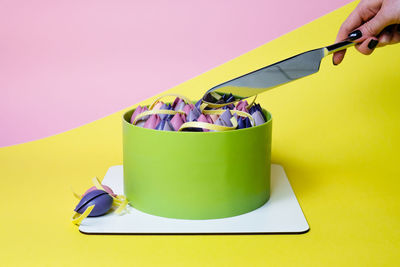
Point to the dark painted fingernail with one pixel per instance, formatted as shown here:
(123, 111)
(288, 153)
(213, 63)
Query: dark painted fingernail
(372, 44)
(355, 35)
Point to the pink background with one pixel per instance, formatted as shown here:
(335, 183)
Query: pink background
(66, 63)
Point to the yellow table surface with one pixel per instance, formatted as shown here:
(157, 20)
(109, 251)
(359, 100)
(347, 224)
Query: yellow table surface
(337, 134)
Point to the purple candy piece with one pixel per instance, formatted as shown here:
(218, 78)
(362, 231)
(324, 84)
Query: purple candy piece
(262, 113)
(170, 108)
(176, 121)
(230, 98)
(258, 118)
(101, 200)
(152, 122)
(198, 104)
(168, 126)
(202, 118)
(161, 125)
(247, 123)
(219, 121)
(145, 117)
(194, 114)
(191, 116)
(258, 107)
(242, 105)
(226, 118)
(158, 105)
(164, 107)
(252, 109)
(209, 120)
(180, 106)
(214, 117)
(187, 109)
(239, 105)
(137, 111)
(183, 117)
(230, 106)
(177, 101)
(241, 123)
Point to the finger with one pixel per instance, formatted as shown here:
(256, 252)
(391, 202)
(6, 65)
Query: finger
(337, 57)
(386, 35)
(385, 38)
(396, 35)
(363, 13)
(373, 27)
(352, 22)
(367, 46)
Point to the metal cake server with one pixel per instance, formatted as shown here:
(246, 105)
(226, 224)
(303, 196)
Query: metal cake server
(271, 76)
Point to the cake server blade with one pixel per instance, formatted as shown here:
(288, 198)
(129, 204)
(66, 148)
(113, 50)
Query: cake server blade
(274, 75)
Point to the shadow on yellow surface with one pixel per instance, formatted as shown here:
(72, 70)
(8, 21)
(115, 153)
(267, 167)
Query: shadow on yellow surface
(336, 133)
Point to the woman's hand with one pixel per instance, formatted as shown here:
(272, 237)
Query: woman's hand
(372, 23)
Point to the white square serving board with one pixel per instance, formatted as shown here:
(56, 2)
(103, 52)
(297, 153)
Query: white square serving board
(281, 214)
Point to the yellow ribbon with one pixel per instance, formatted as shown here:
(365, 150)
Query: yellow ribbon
(121, 202)
(76, 194)
(78, 218)
(209, 126)
(238, 112)
(252, 102)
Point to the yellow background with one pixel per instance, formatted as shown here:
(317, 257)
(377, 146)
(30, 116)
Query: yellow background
(337, 134)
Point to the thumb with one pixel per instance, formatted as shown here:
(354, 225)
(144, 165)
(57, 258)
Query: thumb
(374, 26)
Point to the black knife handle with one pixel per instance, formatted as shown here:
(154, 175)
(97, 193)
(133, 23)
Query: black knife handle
(339, 46)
